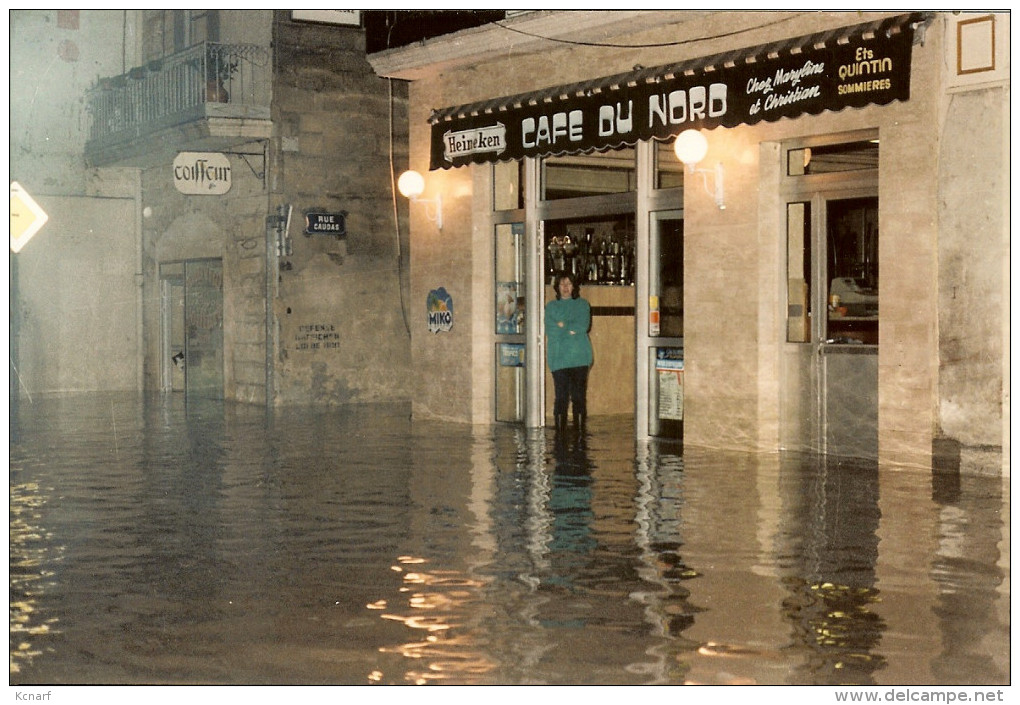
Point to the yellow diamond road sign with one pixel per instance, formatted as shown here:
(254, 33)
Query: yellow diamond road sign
(27, 217)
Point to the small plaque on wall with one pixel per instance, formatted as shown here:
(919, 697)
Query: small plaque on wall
(975, 45)
(334, 224)
(977, 49)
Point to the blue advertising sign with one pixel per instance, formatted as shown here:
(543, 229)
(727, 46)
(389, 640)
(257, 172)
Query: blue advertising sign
(439, 309)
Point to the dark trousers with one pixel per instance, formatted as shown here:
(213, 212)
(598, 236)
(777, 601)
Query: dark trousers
(571, 385)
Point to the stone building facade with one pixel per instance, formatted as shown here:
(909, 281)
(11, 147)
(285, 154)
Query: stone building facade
(937, 383)
(268, 305)
(135, 266)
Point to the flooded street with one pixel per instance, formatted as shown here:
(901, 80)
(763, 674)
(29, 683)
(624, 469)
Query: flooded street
(157, 543)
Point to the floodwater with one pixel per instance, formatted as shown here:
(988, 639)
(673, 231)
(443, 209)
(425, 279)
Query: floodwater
(153, 542)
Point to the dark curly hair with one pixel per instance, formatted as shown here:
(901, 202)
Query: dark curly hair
(560, 276)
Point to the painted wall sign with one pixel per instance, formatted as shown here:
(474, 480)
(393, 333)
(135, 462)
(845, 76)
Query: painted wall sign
(317, 336)
(326, 224)
(867, 64)
(202, 173)
(439, 309)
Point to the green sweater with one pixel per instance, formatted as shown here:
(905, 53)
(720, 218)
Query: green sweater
(566, 326)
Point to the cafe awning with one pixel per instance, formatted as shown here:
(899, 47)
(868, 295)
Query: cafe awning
(865, 64)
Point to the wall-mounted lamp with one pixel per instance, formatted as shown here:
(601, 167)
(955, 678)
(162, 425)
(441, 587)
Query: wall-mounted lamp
(411, 184)
(690, 148)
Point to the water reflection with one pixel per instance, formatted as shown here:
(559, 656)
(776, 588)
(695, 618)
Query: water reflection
(571, 542)
(158, 542)
(966, 570)
(434, 606)
(31, 574)
(659, 535)
(832, 519)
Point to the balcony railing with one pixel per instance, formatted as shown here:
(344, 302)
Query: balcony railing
(179, 88)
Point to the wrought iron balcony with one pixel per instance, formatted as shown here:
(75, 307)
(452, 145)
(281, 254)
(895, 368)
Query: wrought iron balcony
(208, 97)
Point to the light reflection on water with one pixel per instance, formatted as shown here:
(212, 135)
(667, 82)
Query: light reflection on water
(157, 543)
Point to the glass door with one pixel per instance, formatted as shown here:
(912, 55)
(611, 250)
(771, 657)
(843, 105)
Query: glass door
(848, 343)
(830, 375)
(665, 349)
(833, 310)
(510, 307)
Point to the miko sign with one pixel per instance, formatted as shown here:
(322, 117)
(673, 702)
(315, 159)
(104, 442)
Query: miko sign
(27, 217)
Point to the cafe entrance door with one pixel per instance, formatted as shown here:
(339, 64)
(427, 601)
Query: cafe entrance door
(830, 390)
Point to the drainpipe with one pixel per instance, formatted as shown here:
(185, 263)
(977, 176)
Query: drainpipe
(272, 280)
(139, 287)
(277, 245)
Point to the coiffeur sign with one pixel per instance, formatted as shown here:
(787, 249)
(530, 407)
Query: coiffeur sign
(202, 173)
(850, 67)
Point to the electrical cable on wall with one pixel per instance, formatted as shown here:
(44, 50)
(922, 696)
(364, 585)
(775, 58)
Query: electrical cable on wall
(396, 218)
(642, 46)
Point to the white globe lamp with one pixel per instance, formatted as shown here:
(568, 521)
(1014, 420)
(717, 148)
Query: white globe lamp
(411, 184)
(690, 147)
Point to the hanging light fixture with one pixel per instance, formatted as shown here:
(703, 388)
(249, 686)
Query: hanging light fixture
(690, 148)
(412, 184)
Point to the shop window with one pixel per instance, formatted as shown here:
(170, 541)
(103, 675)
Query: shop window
(832, 158)
(667, 283)
(510, 382)
(508, 185)
(798, 272)
(509, 322)
(850, 269)
(595, 174)
(669, 171)
(852, 254)
(509, 279)
(832, 240)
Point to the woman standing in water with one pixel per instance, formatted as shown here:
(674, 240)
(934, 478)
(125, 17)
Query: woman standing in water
(570, 355)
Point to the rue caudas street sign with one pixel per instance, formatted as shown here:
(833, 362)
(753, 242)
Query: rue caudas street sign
(334, 224)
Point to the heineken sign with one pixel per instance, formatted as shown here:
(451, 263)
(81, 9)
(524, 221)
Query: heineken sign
(483, 140)
(852, 67)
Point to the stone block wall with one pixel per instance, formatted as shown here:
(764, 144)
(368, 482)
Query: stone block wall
(733, 317)
(340, 303)
(973, 304)
(229, 227)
